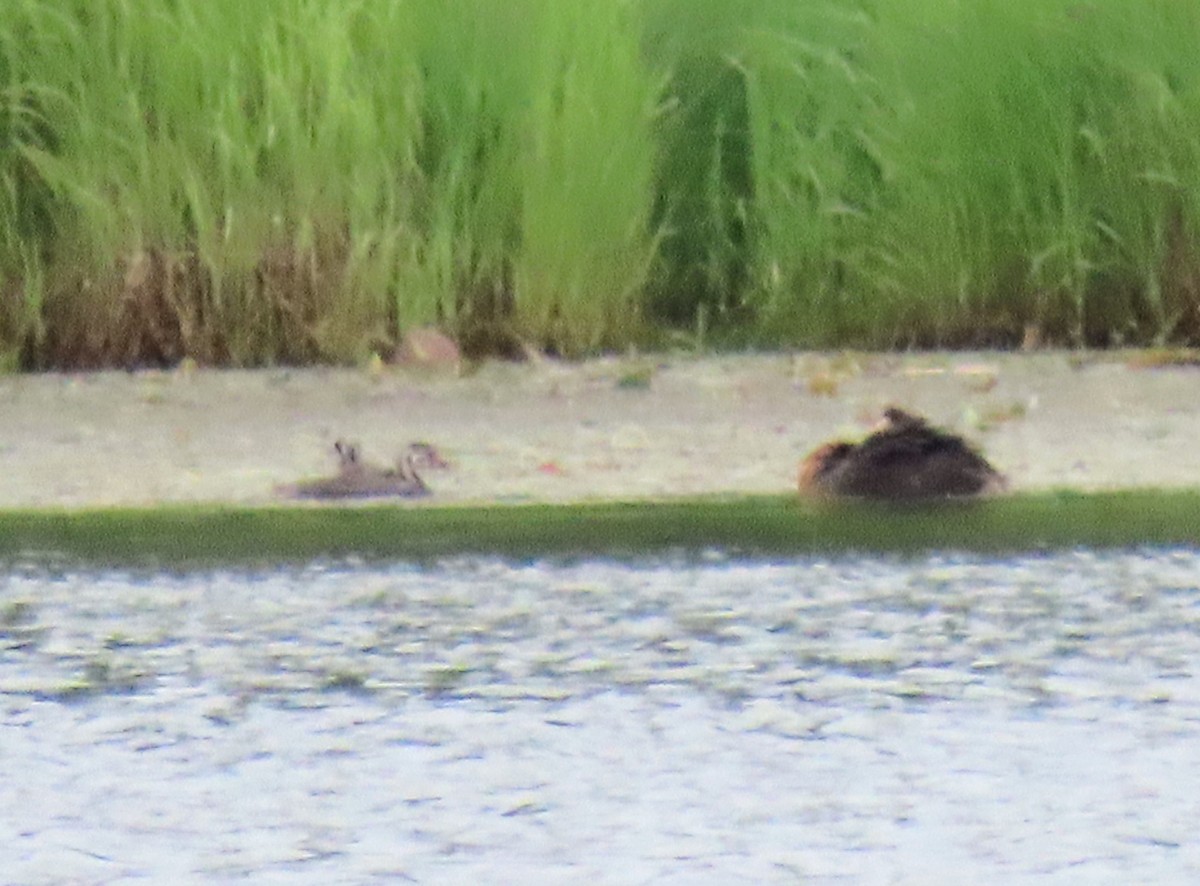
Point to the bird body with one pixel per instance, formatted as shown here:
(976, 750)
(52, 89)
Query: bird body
(358, 479)
(905, 459)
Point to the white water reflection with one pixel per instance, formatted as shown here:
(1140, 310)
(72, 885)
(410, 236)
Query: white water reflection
(843, 721)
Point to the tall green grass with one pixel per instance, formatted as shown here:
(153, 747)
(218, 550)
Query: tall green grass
(300, 180)
(947, 173)
(250, 182)
(1044, 160)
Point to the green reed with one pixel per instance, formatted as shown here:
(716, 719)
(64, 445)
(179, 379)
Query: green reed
(245, 182)
(1044, 169)
(301, 180)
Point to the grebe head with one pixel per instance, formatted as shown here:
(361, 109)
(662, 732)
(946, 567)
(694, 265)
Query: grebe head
(820, 463)
(895, 419)
(425, 455)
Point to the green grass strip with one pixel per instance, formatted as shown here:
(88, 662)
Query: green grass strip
(186, 537)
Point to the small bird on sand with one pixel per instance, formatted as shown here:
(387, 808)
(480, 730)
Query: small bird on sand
(905, 459)
(358, 479)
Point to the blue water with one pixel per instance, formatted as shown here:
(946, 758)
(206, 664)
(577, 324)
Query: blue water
(944, 719)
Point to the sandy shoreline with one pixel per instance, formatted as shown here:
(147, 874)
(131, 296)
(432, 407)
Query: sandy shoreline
(605, 429)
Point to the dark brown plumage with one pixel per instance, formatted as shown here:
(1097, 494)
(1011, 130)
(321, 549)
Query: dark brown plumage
(906, 459)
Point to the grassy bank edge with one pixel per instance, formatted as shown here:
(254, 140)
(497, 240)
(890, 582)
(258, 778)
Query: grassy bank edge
(207, 535)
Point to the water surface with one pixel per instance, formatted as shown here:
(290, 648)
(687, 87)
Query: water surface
(941, 719)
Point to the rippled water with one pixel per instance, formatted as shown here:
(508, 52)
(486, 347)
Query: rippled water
(818, 721)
